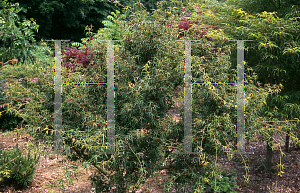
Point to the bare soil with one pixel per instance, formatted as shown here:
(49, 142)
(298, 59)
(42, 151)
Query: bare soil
(260, 180)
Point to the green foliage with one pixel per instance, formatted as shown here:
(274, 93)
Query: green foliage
(15, 36)
(62, 19)
(8, 121)
(282, 7)
(274, 53)
(23, 75)
(274, 56)
(16, 168)
(112, 30)
(225, 184)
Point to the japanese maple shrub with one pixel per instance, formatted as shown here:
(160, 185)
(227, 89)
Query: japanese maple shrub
(147, 69)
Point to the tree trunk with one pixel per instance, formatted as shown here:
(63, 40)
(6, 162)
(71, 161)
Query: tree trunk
(287, 141)
(298, 135)
(269, 156)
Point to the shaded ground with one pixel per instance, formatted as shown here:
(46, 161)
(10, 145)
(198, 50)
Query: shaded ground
(47, 169)
(260, 180)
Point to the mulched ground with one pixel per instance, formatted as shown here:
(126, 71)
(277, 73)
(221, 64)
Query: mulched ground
(261, 180)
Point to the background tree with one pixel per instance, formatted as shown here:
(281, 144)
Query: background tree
(15, 36)
(274, 56)
(66, 19)
(60, 19)
(282, 7)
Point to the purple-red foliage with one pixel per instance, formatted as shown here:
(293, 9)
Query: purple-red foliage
(82, 57)
(185, 24)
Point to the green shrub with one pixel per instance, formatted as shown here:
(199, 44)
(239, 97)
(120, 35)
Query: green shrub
(8, 121)
(15, 45)
(113, 30)
(19, 73)
(17, 169)
(224, 184)
(17, 38)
